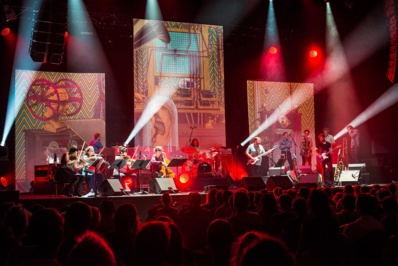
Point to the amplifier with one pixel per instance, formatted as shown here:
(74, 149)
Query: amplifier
(357, 166)
(276, 171)
(44, 172)
(304, 169)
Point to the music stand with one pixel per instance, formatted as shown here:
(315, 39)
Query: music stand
(118, 164)
(177, 162)
(94, 164)
(140, 164)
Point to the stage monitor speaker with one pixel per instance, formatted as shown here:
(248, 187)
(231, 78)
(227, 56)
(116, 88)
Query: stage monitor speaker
(310, 180)
(253, 183)
(162, 185)
(282, 181)
(111, 187)
(276, 171)
(349, 177)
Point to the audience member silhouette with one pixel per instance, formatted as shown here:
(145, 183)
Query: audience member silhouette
(152, 243)
(225, 210)
(77, 222)
(242, 220)
(121, 240)
(107, 210)
(167, 209)
(91, 249)
(266, 250)
(194, 222)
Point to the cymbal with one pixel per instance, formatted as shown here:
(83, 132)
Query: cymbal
(188, 150)
(217, 147)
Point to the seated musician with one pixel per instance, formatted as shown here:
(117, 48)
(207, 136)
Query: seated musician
(92, 172)
(76, 164)
(196, 155)
(158, 162)
(67, 175)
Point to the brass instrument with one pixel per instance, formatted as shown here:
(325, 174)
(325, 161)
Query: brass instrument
(340, 158)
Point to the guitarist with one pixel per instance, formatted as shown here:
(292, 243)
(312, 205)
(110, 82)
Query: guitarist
(285, 144)
(252, 152)
(324, 147)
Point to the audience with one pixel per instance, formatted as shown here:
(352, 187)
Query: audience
(354, 225)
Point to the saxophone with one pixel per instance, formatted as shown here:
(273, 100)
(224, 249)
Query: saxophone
(340, 165)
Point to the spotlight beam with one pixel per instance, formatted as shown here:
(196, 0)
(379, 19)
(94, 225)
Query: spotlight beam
(154, 104)
(386, 100)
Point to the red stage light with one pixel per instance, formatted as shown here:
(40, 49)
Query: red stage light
(313, 53)
(184, 178)
(272, 50)
(5, 31)
(66, 34)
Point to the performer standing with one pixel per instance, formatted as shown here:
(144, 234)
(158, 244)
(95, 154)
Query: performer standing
(329, 138)
(254, 152)
(96, 143)
(324, 160)
(354, 135)
(285, 144)
(306, 148)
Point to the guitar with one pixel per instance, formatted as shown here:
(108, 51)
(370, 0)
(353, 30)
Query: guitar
(323, 156)
(256, 158)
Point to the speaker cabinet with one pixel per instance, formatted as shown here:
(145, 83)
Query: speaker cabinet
(282, 181)
(304, 169)
(111, 187)
(310, 180)
(201, 183)
(253, 183)
(162, 185)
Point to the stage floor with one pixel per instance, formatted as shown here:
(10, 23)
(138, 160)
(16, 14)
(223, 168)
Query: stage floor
(143, 202)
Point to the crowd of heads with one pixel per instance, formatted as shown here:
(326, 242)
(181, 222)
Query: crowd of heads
(356, 225)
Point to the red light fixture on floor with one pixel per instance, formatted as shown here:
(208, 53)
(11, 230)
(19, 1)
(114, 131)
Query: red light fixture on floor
(272, 50)
(5, 31)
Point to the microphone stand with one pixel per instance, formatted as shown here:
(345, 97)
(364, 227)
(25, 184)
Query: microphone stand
(295, 150)
(190, 135)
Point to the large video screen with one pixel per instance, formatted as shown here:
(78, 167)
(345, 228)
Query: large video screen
(58, 110)
(188, 59)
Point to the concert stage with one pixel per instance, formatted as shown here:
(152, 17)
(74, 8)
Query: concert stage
(143, 202)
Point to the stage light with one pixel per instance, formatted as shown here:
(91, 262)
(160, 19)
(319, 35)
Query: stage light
(184, 178)
(313, 53)
(272, 50)
(5, 31)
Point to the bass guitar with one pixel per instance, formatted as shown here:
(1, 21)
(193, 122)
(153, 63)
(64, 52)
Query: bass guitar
(323, 156)
(256, 158)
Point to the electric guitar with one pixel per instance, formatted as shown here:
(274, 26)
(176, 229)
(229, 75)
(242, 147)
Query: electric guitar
(256, 158)
(323, 156)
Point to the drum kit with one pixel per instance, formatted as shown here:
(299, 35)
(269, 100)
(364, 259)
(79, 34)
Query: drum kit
(202, 163)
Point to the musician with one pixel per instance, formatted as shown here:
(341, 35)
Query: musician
(354, 135)
(96, 143)
(329, 138)
(76, 165)
(252, 152)
(92, 172)
(195, 157)
(324, 163)
(67, 175)
(306, 147)
(284, 145)
(158, 160)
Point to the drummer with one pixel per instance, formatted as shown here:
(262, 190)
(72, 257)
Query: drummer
(196, 155)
